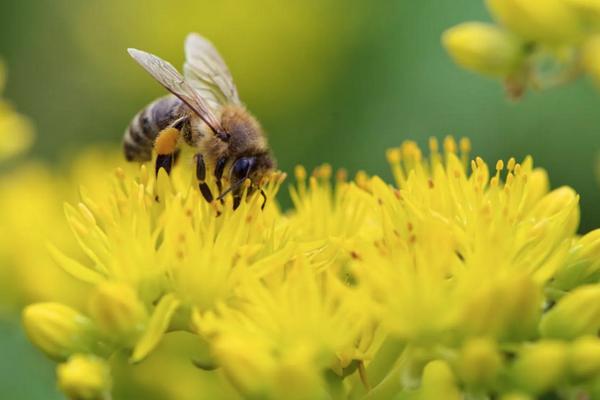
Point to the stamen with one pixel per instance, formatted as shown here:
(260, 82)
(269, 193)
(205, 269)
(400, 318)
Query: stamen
(341, 175)
(465, 145)
(433, 145)
(393, 155)
(300, 173)
(449, 145)
(499, 165)
(511, 164)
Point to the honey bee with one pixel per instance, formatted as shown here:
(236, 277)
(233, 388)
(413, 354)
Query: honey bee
(203, 111)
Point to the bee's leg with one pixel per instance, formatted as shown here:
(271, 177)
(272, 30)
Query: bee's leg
(264, 196)
(219, 168)
(166, 149)
(201, 176)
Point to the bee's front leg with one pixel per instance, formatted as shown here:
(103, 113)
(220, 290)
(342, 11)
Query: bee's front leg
(219, 168)
(165, 146)
(201, 176)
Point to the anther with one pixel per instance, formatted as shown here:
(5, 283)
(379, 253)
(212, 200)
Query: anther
(433, 145)
(511, 164)
(465, 145)
(300, 173)
(449, 145)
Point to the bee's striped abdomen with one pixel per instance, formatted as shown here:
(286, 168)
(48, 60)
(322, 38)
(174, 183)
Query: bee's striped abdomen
(145, 126)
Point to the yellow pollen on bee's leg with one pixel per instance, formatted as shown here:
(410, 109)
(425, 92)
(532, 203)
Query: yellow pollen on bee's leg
(166, 141)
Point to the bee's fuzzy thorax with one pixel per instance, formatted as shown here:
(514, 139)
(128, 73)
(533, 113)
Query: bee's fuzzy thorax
(246, 133)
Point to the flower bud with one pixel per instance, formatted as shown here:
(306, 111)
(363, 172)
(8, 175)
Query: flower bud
(561, 200)
(483, 48)
(58, 330)
(583, 265)
(540, 367)
(548, 21)
(438, 382)
(576, 314)
(584, 358)
(84, 377)
(590, 57)
(479, 363)
(118, 312)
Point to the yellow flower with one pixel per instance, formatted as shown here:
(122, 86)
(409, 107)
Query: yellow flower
(84, 378)
(483, 48)
(284, 334)
(469, 243)
(363, 289)
(58, 330)
(538, 20)
(540, 367)
(576, 314)
(16, 132)
(117, 311)
(584, 357)
(480, 363)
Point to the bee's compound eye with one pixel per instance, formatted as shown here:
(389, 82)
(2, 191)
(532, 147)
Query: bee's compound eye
(241, 168)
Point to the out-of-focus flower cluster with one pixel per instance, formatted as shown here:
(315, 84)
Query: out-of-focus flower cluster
(459, 280)
(16, 132)
(534, 44)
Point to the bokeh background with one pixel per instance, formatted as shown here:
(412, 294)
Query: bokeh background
(335, 81)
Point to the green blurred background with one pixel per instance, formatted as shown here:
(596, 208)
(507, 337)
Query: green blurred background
(333, 81)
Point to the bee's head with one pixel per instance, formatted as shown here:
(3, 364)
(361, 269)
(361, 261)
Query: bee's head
(253, 167)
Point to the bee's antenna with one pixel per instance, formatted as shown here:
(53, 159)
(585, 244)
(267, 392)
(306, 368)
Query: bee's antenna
(225, 193)
(262, 193)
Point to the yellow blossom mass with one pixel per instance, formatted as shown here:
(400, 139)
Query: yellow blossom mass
(459, 280)
(535, 44)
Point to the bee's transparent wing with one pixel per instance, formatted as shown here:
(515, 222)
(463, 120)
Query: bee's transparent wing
(172, 80)
(206, 71)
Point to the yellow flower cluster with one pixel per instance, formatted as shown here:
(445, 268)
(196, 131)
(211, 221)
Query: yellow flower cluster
(458, 281)
(16, 132)
(535, 43)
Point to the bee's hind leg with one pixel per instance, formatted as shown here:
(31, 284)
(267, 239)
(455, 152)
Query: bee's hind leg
(166, 149)
(201, 176)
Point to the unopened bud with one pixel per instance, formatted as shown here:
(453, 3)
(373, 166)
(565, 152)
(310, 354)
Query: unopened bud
(548, 21)
(583, 264)
(118, 312)
(483, 48)
(58, 330)
(479, 363)
(561, 200)
(84, 377)
(438, 382)
(540, 367)
(576, 314)
(584, 358)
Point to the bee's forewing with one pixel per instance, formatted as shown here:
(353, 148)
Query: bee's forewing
(206, 71)
(174, 82)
